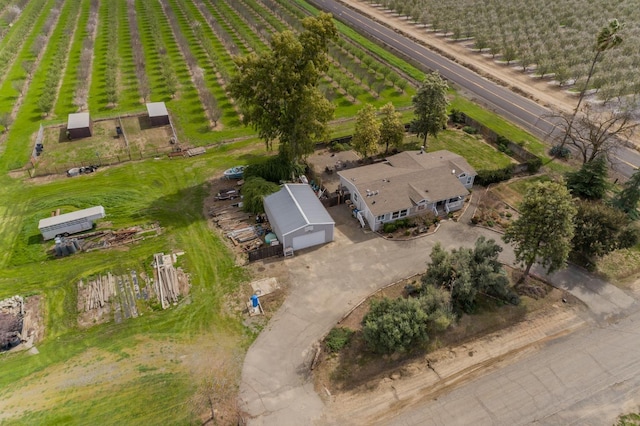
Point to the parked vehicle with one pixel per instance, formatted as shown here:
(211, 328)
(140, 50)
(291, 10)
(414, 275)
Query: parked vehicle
(227, 194)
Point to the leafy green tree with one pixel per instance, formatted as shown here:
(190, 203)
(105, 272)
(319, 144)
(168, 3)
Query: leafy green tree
(465, 273)
(627, 199)
(5, 121)
(590, 181)
(394, 325)
(391, 127)
(367, 131)
(253, 192)
(544, 230)
(599, 229)
(277, 91)
(430, 104)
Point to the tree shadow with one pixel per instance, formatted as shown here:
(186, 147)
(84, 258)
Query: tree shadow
(179, 209)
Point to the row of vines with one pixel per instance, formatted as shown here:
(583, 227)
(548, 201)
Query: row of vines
(63, 56)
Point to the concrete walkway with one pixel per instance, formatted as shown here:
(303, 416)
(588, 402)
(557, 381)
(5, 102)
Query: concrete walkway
(326, 282)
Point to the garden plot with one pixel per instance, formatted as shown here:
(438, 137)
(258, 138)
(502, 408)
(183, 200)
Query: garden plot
(104, 146)
(108, 297)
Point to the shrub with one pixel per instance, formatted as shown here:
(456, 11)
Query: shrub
(253, 191)
(274, 169)
(338, 338)
(487, 177)
(534, 164)
(389, 227)
(394, 325)
(503, 145)
(457, 116)
(339, 147)
(470, 130)
(560, 152)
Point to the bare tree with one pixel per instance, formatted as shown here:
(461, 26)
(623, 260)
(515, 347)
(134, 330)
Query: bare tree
(18, 85)
(596, 133)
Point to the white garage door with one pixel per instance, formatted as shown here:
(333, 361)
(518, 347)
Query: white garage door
(308, 240)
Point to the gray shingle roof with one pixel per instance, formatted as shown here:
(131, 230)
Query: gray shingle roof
(409, 177)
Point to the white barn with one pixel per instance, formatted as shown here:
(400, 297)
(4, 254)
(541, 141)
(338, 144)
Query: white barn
(298, 218)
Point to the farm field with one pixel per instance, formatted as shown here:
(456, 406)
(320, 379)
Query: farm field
(109, 58)
(547, 39)
(175, 51)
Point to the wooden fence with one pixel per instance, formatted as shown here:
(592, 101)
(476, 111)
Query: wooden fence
(265, 252)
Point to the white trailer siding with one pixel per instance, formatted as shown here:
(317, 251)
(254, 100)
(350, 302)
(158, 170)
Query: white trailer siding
(70, 223)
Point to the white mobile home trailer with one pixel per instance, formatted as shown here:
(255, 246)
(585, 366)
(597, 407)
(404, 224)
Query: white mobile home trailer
(70, 223)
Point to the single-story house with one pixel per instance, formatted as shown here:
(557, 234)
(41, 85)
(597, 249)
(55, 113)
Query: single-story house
(298, 218)
(158, 114)
(407, 184)
(79, 125)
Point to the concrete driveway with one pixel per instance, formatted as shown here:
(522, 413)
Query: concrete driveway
(326, 282)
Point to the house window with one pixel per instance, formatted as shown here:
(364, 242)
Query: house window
(381, 218)
(355, 196)
(404, 212)
(395, 215)
(469, 179)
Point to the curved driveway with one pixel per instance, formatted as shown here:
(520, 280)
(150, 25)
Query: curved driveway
(276, 387)
(515, 108)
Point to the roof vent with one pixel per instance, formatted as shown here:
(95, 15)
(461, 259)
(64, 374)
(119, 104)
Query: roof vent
(453, 172)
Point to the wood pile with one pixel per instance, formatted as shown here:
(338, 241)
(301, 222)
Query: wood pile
(196, 151)
(11, 322)
(166, 283)
(97, 293)
(235, 224)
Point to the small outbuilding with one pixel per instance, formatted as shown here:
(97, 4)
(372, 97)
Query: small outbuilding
(298, 218)
(158, 114)
(79, 125)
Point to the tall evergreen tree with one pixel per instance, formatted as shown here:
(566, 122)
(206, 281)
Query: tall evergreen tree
(627, 199)
(590, 182)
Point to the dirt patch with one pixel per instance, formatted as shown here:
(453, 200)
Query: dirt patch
(104, 146)
(493, 212)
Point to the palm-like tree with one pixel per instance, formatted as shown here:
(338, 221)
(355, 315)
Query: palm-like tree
(607, 39)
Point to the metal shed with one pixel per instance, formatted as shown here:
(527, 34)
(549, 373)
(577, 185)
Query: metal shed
(158, 114)
(79, 125)
(298, 218)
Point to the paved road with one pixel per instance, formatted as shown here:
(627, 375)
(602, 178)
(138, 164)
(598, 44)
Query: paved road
(276, 388)
(515, 108)
(586, 378)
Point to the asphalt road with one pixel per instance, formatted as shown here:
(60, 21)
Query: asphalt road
(586, 378)
(508, 104)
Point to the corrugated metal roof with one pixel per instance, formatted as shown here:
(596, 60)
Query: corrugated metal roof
(78, 120)
(296, 206)
(157, 109)
(55, 220)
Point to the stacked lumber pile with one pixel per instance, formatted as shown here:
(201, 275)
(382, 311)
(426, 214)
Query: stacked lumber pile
(166, 280)
(96, 293)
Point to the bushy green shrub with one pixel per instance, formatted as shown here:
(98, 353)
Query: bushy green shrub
(339, 147)
(560, 152)
(389, 227)
(253, 192)
(487, 177)
(470, 130)
(534, 164)
(275, 169)
(338, 338)
(457, 116)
